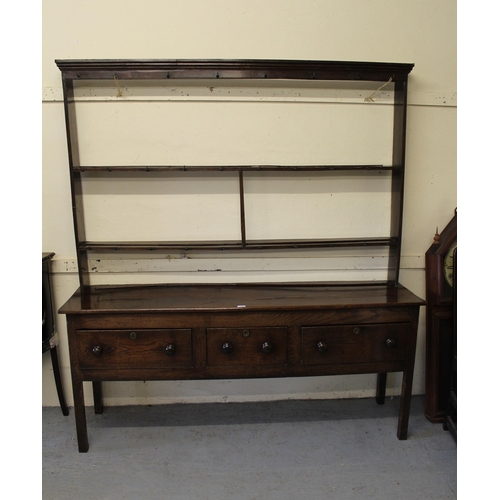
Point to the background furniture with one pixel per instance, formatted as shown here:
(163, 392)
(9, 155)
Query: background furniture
(49, 333)
(451, 417)
(207, 331)
(440, 324)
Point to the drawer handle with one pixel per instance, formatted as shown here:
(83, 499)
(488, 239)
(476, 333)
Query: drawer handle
(391, 343)
(322, 346)
(267, 347)
(357, 330)
(170, 350)
(133, 335)
(97, 350)
(227, 348)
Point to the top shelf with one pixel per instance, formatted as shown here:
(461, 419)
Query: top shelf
(144, 69)
(231, 168)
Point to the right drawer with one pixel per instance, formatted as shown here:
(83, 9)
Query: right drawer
(354, 343)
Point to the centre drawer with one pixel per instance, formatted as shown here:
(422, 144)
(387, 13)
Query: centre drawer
(152, 348)
(246, 346)
(363, 343)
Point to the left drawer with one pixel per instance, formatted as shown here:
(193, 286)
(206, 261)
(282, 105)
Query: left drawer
(152, 348)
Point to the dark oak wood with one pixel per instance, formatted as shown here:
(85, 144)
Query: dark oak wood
(240, 331)
(92, 69)
(263, 346)
(231, 168)
(440, 324)
(450, 422)
(73, 71)
(237, 298)
(244, 244)
(214, 331)
(398, 158)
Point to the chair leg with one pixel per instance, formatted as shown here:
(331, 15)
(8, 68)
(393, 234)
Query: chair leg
(57, 377)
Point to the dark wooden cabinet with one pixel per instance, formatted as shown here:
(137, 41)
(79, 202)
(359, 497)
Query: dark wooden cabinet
(212, 331)
(451, 412)
(440, 332)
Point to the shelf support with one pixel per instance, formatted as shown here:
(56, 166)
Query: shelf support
(242, 210)
(76, 181)
(398, 158)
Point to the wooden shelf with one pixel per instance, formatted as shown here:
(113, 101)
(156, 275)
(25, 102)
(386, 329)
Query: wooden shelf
(150, 69)
(236, 245)
(231, 168)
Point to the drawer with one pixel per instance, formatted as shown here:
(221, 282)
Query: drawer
(155, 348)
(246, 346)
(354, 343)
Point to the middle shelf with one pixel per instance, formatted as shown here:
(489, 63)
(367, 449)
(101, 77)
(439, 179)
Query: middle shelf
(236, 245)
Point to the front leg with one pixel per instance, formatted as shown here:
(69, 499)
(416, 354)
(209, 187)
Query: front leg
(404, 407)
(80, 418)
(407, 383)
(381, 385)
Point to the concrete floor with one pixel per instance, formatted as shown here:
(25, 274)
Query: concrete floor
(335, 449)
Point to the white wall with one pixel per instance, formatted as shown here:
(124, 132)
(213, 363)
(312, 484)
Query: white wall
(420, 32)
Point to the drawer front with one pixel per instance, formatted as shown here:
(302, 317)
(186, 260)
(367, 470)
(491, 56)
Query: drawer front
(160, 348)
(246, 346)
(354, 343)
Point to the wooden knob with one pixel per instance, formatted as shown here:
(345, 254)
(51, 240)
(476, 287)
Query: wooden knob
(267, 347)
(170, 350)
(391, 343)
(322, 346)
(97, 350)
(227, 348)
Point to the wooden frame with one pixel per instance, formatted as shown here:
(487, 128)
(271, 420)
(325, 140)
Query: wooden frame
(213, 331)
(255, 70)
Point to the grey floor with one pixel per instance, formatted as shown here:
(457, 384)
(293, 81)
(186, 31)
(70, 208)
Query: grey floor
(336, 449)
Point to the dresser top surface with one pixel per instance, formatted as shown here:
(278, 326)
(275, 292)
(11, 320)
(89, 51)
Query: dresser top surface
(233, 297)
